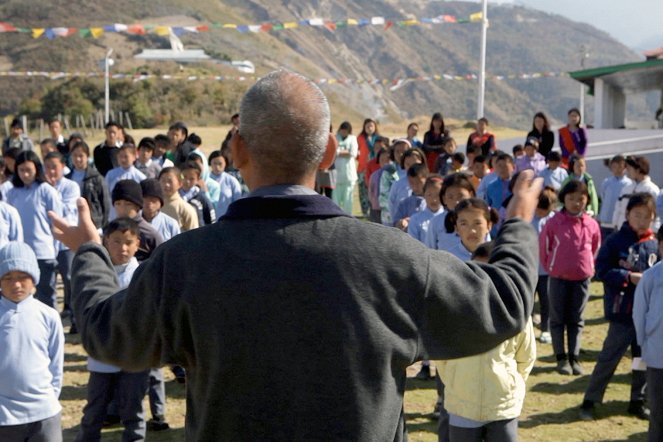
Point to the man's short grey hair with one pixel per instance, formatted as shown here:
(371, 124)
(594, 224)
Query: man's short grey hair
(285, 122)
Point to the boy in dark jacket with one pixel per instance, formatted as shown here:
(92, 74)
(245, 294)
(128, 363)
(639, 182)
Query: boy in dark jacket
(620, 263)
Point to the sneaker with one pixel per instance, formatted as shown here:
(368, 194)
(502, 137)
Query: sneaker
(564, 367)
(639, 410)
(424, 373)
(576, 367)
(586, 412)
(157, 423)
(111, 420)
(545, 338)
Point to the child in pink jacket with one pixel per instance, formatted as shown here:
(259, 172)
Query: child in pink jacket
(568, 245)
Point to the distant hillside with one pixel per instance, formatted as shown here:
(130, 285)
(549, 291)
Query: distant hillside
(520, 40)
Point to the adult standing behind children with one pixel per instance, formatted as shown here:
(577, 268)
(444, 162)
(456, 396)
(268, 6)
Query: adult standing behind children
(17, 139)
(541, 132)
(346, 167)
(572, 137)
(372, 328)
(105, 154)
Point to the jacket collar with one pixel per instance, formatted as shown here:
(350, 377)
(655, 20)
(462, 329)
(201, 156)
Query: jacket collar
(283, 206)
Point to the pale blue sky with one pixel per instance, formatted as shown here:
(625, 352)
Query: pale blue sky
(636, 23)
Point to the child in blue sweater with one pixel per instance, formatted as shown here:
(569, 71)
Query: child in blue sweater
(33, 198)
(121, 239)
(32, 349)
(648, 321)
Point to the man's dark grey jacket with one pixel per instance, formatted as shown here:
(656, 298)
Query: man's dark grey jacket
(296, 322)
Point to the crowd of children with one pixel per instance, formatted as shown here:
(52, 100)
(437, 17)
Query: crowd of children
(142, 195)
(456, 202)
(139, 197)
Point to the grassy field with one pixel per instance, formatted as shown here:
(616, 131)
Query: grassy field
(550, 412)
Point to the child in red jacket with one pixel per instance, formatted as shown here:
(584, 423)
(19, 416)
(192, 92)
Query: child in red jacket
(568, 245)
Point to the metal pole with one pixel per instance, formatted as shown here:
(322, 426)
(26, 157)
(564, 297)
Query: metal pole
(482, 70)
(107, 86)
(583, 56)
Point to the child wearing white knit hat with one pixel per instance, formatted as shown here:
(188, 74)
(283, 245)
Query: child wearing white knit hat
(32, 343)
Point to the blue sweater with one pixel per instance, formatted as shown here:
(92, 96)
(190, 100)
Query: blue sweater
(648, 316)
(32, 343)
(33, 204)
(408, 207)
(419, 223)
(11, 228)
(166, 225)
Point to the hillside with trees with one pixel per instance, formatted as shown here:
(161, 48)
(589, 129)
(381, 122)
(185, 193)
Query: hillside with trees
(520, 41)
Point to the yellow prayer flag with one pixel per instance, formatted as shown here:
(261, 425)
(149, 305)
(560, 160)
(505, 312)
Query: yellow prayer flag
(37, 32)
(352, 22)
(410, 22)
(477, 16)
(97, 32)
(290, 25)
(162, 31)
(230, 26)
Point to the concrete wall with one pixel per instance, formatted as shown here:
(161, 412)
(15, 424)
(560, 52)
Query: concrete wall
(609, 106)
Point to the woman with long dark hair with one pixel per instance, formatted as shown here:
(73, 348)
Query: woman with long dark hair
(435, 138)
(542, 134)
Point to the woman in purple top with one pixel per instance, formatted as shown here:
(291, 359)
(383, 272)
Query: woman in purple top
(572, 137)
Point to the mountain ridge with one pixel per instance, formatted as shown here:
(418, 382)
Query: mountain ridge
(520, 40)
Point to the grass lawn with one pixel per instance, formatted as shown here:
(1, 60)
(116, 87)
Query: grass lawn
(549, 414)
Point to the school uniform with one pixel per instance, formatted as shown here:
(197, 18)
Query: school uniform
(230, 191)
(11, 228)
(37, 231)
(409, 206)
(554, 178)
(648, 322)
(32, 343)
(611, 188)
(120, 173)
(497, 192)
(150, 169)
(486, 181)
(165, 225)
(69, 192)
(437, 237)
(108, 382)
(398, 192)
(420, 222)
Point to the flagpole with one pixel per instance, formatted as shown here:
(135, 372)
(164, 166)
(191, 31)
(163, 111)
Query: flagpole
(107, 63)
(482, 70)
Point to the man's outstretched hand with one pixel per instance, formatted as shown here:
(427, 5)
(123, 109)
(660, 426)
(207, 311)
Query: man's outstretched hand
(525, 196)
(75, 236)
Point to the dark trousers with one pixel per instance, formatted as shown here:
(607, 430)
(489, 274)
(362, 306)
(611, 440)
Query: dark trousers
(65, 259)
(568, 300)
(46, 430)
(443, 421)
(498, 431)
(655, 402)
(619, 338)
(375, 216)
(46, 287)
(130, 388)
(544, 303)
(157, 393)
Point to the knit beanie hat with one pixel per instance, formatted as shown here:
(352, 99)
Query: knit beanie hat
(19, 257)
(128, 190)
(152, 187)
